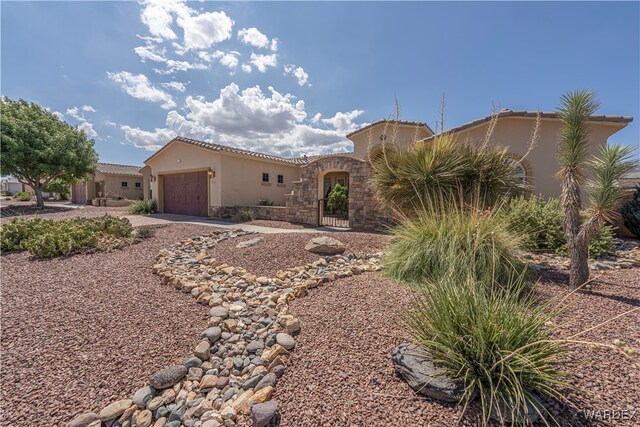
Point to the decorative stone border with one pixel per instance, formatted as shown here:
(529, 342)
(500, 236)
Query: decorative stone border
(245, 349)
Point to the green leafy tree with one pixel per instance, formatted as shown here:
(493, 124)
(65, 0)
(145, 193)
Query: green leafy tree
(338, 199)
(631, 213)
(59, 186)
(38, 148)
(599, 174)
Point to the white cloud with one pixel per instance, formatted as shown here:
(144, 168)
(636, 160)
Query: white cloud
(78, 114)
(261, 62)
(246, 68)
(139, 86)
(344, 122)
(149, 53)
(226, 59)
(75, 113)
(269, 122)
(229, 60)
(109, 123)
(88, 129)
(59, 115)
(202, 31)
(178, 86)
(298, 73)
(172, 66)
(253, 37)
(157, 15)
(316, 118)
(274, 44)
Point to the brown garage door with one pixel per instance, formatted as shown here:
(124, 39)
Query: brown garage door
(186, 193)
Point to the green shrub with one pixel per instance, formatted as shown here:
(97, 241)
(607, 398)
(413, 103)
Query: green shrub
(494, 343)
(244, 215)
(22, 196)
(539, 225)
(338, 199)
(145, 231)
(48, 238)
(434, 244)
(141, 207)
(631, 213)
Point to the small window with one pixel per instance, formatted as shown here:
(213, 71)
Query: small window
(265, 177)
(125, 184)
(138, 184)
(280, 179)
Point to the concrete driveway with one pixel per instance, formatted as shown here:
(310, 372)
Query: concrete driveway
(161, 218)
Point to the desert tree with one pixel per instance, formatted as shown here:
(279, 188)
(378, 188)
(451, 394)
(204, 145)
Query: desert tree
(38, 148)
(598, 174)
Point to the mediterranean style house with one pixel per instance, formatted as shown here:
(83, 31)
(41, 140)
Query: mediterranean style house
(109, 185)
(199, 178)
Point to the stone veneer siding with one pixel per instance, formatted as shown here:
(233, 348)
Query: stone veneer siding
(362, 205)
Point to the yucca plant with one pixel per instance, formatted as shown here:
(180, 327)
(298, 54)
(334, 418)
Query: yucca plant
(600, 173)
(405, 180)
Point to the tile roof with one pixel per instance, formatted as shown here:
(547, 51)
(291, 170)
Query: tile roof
(544, 115)
(225, 148)
(400, 122)
(114, 169)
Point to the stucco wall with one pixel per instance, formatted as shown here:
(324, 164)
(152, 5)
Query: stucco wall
(371, 139)
(237, 179)
(114, 188)
(541, 163)
(242, 181)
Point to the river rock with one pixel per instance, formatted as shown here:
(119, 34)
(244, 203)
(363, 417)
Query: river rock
(168, 376)
(83, 420)
(114, 409)
(263, 413)
(324, 245)
(416, 367)
(285, 340)
(248, 243)
(143, 396)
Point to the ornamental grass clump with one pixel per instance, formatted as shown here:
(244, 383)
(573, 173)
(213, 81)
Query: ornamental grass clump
(244, 215)
(142, 207)
(451, 240)
(493, 341)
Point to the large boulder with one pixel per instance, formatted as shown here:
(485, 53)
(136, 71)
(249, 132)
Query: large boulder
(415, 365)
(325, 245)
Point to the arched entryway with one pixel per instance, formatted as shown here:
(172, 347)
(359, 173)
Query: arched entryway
(333, 198)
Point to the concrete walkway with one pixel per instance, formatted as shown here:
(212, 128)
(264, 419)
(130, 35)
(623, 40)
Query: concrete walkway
(156, 219)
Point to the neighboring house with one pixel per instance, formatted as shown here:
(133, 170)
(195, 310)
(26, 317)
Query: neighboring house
(193, 177)
(108, 183)
(11, 186)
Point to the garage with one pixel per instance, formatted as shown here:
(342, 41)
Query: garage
(186, 193)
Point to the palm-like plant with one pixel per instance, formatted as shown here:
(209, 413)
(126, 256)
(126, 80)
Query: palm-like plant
(444, 168)
(605, 169)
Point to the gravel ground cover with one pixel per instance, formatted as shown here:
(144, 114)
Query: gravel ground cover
(81, 332)
(277, 224)
(278, 251)
(341, 374)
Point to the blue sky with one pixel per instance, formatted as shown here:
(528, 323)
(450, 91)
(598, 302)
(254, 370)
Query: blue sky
(293, 78)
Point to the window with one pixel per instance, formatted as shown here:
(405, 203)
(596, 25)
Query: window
(124, 184)
(265, 177)
(138, 185)
(341, 181)
(280, 179)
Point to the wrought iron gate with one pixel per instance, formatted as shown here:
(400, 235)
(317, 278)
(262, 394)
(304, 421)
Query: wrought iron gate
(336, 215)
